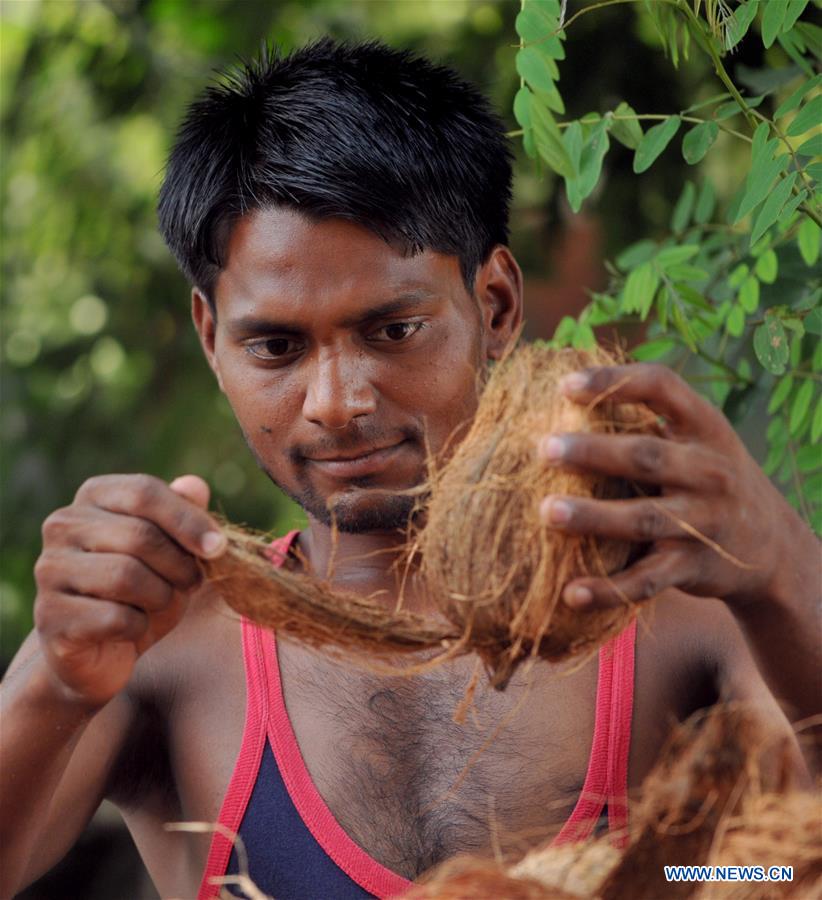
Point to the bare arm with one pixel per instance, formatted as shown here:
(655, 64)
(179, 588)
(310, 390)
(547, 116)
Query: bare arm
(113, 579)
(55, 755)
(718, 527)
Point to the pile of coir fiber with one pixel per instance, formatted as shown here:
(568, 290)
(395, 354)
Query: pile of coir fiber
(703, 804)
(478, 549)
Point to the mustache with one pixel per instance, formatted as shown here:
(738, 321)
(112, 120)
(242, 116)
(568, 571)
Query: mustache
(354, 438)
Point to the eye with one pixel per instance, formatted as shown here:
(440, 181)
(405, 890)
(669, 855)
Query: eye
(273, 348)
(397, 331)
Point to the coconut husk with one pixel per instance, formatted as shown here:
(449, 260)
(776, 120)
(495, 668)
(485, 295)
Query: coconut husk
(702, 804)
(493, 571)
(772, 830)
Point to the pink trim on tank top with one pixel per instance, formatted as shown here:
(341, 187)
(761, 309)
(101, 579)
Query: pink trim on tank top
(606, 779)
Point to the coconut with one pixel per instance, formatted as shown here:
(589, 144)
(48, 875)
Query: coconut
(493, 571)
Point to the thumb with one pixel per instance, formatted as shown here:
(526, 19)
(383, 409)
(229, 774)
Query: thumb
(193, 488)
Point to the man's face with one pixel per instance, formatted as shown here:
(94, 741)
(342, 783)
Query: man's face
(344, 361)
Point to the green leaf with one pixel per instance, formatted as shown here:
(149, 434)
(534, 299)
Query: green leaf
(652, 350)
(549, 141)
(673, 256)
(705, 203)
(808, 459)
(780, 393)
(799, 406)
(693, 297)
(564, 331)
(654, 141)
(793, 43)
(626, 131)
(795, 99)
(811, 147)
(808, 117)
(788, 210)
(639, 290)
(772, 206)
(771, 345)
(808, 238)
(749, 294)
(816, 425)
(698, 140)
(775, 456)
(739, 23)
(533, 67)
(537, 20)
(767, 267)
(572, 138)
(793, 12)
(738, 276)
(758, 184)
(687, 273)
(684, 208)
(636, 254)
(522, 107)
(813, 321)
(735, 323)
(773, 15)
(583, 338)
(590, 164)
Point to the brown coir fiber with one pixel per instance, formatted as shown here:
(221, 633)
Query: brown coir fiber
(489, 565)
(703, 804)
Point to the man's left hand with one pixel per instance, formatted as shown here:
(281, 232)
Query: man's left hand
(718, 527)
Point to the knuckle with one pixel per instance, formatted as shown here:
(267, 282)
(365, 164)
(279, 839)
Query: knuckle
(55, 525)
(148, 537)
(45, 569)
(649, 586)
(649, 525)
(141, 491)
(124, 576)
(647, 456)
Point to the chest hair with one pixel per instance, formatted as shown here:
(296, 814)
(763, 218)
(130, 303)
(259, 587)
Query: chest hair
(412, 787)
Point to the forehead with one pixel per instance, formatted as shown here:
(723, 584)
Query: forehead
(277, 254)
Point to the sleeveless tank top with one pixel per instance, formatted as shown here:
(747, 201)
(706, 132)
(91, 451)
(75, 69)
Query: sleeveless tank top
(294, 847)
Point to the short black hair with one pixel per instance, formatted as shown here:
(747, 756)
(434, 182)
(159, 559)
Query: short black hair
(363, 132)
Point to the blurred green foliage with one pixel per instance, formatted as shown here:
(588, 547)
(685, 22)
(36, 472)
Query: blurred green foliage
(101, 368)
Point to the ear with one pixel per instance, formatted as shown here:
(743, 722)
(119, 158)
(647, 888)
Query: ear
(205, 321)
(498, 288)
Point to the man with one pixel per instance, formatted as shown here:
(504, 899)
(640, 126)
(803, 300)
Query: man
(342, 217)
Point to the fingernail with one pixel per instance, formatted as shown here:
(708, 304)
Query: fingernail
(213, 543)
(574, 383)
(552, 448)
(555, 512)
(578, 596)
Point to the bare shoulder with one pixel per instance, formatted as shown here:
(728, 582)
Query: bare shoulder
(692, 653)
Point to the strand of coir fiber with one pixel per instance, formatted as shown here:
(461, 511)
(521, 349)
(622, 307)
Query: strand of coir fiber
(492, 570)
(721, 794)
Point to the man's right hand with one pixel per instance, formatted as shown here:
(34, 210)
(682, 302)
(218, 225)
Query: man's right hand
(114, 575)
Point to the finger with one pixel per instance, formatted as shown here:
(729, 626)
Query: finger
(107, 532)
(193, 488)
(655, 385)
(87, 620)
(638, 520)
(107, 576)
(642, 458)
(643, 581)
(152, 499)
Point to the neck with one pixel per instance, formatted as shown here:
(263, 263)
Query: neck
(368, 564)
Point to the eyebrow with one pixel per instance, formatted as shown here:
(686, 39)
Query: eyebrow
(403, 303)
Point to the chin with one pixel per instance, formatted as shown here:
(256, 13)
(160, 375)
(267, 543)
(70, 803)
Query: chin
(353, 513)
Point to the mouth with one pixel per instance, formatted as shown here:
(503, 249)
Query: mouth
(368, 461)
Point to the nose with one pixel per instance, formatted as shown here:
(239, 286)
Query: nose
(338, 390)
